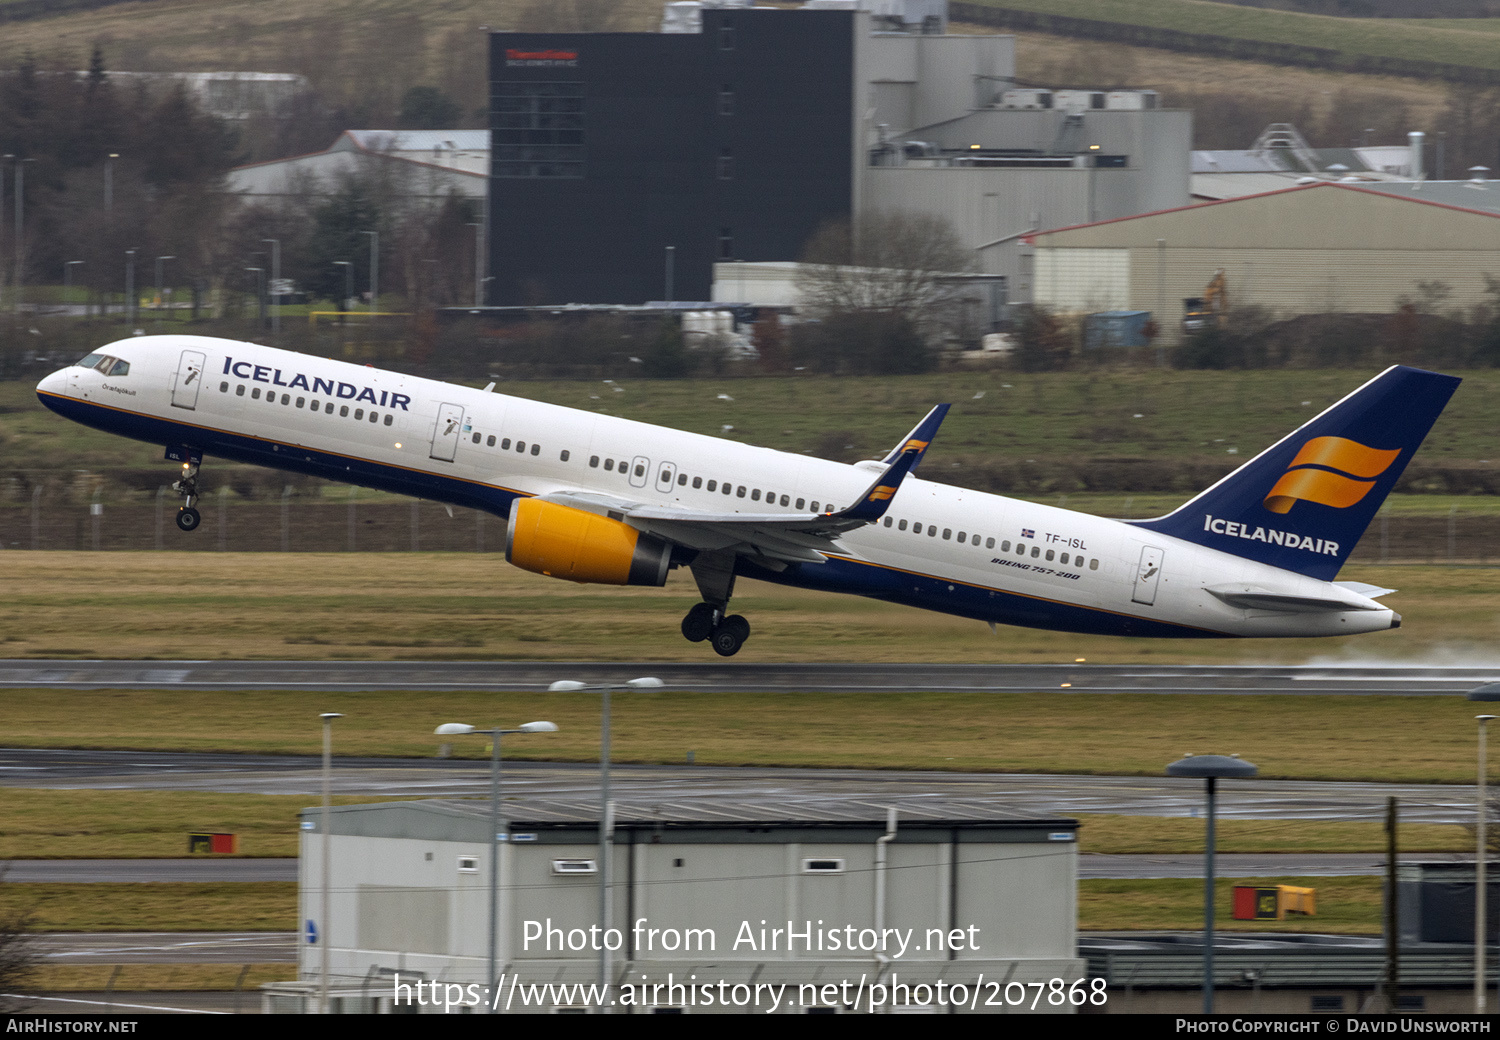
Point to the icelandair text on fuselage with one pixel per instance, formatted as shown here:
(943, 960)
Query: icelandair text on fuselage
(1290, 539)
(328, 387)
(750, 937)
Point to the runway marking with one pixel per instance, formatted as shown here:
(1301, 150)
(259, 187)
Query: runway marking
(113, 1004)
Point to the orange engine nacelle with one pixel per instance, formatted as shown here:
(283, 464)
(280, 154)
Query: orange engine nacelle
(562, 542)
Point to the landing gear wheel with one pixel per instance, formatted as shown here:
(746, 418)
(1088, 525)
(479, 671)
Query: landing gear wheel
(698, 625)
(729, 635)
(188, 519)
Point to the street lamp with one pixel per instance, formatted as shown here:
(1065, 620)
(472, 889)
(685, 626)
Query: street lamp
(1487, 692)
(606, 824)
(454, 729)
(275, 285)
(159, 261)
(348, 282)
(374, 272)
(326, 913)
(260, 302)
(109, 183)
(1210, 768)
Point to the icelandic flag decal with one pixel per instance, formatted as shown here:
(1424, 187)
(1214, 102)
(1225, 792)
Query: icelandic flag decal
(1027, 532)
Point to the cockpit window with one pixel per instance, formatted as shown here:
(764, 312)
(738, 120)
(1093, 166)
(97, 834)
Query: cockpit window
(90, 361)
(119, 368)
(109, 366)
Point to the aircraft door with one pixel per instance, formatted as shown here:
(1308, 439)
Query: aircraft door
(639, 466)
(1147, 575)
(445, 433)
(189, 378)
(666, 476)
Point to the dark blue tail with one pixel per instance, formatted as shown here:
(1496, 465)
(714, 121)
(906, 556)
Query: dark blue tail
(1304, 502)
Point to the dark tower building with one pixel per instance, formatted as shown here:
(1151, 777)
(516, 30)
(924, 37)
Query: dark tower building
(733, 143)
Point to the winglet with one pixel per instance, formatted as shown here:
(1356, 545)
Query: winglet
(920, 436)
(877, 498)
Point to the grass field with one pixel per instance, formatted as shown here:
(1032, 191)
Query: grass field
(1415, 739)
(458, 606)
(1348, 905)
(1453, 41)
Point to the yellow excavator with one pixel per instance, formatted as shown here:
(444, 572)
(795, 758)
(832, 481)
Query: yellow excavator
(1210, 309)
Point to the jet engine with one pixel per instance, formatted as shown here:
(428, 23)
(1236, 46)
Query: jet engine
(562, 542)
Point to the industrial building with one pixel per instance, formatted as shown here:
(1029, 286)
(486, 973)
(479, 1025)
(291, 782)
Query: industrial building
(721, 892)
(626, 165)
(426, 165)
(1319, 248)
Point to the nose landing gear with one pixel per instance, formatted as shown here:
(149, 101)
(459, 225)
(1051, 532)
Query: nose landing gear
(188, 517)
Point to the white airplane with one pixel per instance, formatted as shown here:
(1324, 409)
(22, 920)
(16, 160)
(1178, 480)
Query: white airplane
(593, 498)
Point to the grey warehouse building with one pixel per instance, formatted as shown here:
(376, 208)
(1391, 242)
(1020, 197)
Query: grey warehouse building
(735, 140)
(718, 905)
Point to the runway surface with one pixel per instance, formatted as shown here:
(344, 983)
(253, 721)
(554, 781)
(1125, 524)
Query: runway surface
(1028, 793)
(726, 677)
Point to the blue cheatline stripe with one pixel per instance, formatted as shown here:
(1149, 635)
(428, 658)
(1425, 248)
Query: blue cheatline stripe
(840, 575)
(260, 451)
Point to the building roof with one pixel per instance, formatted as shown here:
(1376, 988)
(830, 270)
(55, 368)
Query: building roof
(1327, 214)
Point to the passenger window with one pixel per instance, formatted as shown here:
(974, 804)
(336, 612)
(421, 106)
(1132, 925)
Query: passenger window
(726, 489)
(224, 388)
(521, 447)
(1035, 551)
(916, 528)
(640, 471)
(359, 413)
(947, 534)
(1063, 558)
(239, 391)
(1093, 565)
(476, 438)
(286, 398)
(800, 503)
(901, 526)
(270, 397)
(698, 483)
(328, 408)
(565, 454)
(755, 495)
(315, 406)
(505, 444)
(740, 493)
(815, 507)
(1020, 549)
(374, 416)
(255, 393)
(301, 401)
(609, 465)
(931, 531)
(1004, 546)
(785, 500)
(536, 449)
(713, 485)
(1049, 555)
(962, 536)
(387, 420)
(490, 441)
(681, 479)
(593, 462)
(343, 411)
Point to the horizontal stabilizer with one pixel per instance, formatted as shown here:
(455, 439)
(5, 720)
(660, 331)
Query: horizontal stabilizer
(1255, 597)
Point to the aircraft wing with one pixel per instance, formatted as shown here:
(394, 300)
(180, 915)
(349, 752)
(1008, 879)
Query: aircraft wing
(775, 538)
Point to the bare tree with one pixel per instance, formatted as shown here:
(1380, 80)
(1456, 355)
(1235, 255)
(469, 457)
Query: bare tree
(18, 956)
(888, 261)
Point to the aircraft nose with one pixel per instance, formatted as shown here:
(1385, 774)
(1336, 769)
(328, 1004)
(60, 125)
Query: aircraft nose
(56, 383)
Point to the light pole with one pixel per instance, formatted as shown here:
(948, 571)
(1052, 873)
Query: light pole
(478, 264)
(109, 184)
(374, 272)
(1487, 692)
(68, 283)
(159, 261)
(1210, 768)
(348, 283)
(327, 717)
(20, 276)
(130, 287)
(454, 729)
(275, 285)
(260, 304)
(606, 823)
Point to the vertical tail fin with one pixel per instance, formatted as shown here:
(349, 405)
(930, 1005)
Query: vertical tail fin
(1304, 502)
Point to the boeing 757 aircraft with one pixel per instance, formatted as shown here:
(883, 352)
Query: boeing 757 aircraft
(593, 498)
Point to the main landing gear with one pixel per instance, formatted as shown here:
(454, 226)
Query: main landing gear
(710, 620)
(188, 518)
